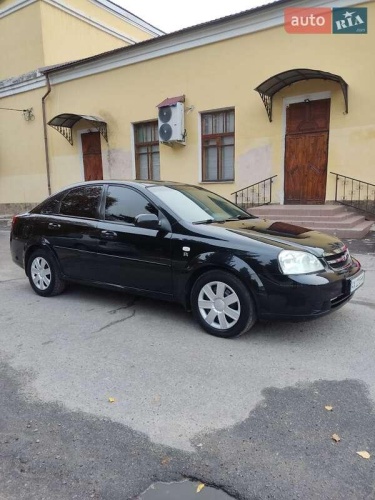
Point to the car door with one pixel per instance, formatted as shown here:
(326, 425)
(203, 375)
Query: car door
(129, 255)
(72, 232)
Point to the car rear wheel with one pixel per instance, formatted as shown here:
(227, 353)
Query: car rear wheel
(43, 274)
(222, 304)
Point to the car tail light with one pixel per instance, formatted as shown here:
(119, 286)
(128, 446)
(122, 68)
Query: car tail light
(14, 220)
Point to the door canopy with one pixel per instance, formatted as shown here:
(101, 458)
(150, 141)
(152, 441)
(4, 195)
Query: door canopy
(65, 122)
(270, 87)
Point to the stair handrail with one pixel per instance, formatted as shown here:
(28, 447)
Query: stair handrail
(240, 193)
(365, 205)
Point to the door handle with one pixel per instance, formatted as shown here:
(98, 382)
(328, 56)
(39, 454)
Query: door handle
(108, 235)
(54, 225)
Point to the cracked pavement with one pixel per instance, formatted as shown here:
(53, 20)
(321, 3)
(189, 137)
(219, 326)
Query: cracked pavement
(246, 415)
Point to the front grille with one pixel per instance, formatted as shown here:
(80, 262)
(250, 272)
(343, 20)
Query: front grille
(339, 261)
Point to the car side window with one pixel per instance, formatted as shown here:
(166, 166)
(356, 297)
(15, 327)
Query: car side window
(51, 206)
(123, 204)
(82, 201)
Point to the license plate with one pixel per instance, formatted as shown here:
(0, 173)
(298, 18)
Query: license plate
(355, 283)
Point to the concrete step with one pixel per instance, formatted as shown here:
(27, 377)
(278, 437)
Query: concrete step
(328, 222)
(336, 216)
(311, 210)
(357, 232)
(332, 219)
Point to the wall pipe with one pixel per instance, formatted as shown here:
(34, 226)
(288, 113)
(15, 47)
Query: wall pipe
(46, 150)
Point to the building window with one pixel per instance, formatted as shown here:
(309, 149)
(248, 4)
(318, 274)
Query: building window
(147, 157)
(218, 146)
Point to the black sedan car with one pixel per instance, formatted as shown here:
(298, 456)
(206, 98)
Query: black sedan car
(185, 244)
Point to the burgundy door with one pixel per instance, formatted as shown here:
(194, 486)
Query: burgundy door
(306, 152)
(92, 156)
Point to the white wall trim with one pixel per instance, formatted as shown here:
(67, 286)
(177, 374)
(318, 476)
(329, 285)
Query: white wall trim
(19, 4)
(132, 150)
(123, 14)
(80, 152)
(114, 9)
(199, 36)
(82, 17)
(22, 83)
(199, 162)
(312, 96)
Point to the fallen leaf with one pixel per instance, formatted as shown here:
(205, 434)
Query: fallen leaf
(111, 400)
(329, 408)
(336, 437)
(200, 487)
(364, 454)
(165, 461)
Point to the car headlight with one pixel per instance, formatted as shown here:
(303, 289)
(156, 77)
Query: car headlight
(293, 262)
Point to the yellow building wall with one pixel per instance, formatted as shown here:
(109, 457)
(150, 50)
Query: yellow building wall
(224, 75)
(66, 38)
(21, 41)
(219, 76)
(23, 176)
(102, 15)
(40, 35)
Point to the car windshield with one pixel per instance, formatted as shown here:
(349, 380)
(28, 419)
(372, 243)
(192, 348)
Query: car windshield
(197, 205)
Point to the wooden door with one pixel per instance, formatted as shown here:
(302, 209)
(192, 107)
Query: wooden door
(306, 152)
(92, 156)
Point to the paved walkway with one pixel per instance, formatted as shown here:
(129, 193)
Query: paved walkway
(366, 246)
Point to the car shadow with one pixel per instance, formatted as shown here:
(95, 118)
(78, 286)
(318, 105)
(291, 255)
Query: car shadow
(112, 298)
(170, 313)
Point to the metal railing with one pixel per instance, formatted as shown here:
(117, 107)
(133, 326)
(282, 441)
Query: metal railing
(255, 195)
(355, 193)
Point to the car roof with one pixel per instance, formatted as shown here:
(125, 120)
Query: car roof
(144, 183)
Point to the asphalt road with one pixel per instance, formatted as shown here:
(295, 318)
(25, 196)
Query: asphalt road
(245, 415)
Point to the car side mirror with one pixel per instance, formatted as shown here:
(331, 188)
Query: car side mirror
(147, 221)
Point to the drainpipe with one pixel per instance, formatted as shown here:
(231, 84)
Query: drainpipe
(45, 134)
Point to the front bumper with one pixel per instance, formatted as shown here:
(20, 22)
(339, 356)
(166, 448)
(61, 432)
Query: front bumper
(306, 296)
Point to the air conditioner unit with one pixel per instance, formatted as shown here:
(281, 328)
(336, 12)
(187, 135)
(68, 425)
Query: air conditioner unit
(171, 123)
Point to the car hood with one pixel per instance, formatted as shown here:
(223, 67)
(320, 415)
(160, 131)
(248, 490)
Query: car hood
(285, 235)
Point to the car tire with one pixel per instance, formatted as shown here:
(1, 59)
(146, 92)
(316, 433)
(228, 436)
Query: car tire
(222, 304)
(44, 274)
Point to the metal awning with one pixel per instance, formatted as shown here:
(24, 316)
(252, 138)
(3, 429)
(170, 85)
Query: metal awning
(171, 101)
(270, 87)
(65, 122)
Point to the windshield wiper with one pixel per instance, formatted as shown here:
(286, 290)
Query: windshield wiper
(239, 217)
(221, 221)
(208, 221)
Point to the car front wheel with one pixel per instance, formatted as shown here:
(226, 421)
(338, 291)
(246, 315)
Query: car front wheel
(43, 274)
(222, 304)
